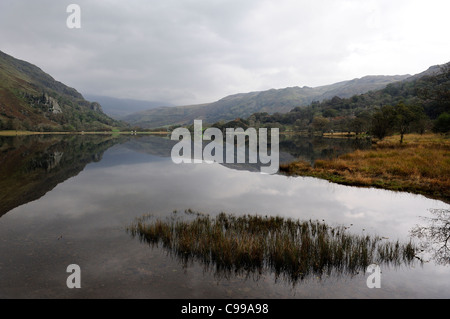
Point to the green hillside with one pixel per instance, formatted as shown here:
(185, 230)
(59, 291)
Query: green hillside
(421, 101)
(30, 99)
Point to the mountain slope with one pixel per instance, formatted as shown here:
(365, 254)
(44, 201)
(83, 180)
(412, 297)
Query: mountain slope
(244, 104)
(31, 99)
(429, 90)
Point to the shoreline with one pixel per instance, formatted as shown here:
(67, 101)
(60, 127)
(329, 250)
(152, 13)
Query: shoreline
(420, 166)
(25, 133)
(286, 133)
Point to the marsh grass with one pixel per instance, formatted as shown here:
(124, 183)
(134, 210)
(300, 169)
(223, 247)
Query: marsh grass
(420, 165)
(291, 249)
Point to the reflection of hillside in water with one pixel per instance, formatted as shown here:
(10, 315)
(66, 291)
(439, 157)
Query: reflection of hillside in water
(291, 148)
(310, 149)
(30, 166)
(153, 145)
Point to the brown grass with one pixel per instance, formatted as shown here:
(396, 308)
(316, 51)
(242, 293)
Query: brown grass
(421, 165)
(291, 249)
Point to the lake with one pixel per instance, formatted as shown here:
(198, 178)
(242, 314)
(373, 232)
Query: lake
(69, 199)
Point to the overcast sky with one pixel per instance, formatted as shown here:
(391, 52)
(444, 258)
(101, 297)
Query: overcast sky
(196, 51)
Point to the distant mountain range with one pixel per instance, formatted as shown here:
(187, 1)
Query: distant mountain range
(245, 104)
(119, 108)
(427, 92)
(31, 99)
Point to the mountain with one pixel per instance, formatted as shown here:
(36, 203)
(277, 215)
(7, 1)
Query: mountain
(244, 104)
(31, 99)
(428, 91)
(119, 108)
(430, 72)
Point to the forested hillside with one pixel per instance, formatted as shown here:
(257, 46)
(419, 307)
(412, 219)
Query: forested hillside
(417, 104)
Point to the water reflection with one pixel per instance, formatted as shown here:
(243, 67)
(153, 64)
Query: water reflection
(310, 149)
(82, 221)
(435, 236)
(30, 166)
(251, 245)
(291, 148)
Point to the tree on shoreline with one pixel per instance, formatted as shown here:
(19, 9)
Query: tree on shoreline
(406, 116)
(400, 118)
(383, 122)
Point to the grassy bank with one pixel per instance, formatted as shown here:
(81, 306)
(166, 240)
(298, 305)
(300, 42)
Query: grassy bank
(420, 165)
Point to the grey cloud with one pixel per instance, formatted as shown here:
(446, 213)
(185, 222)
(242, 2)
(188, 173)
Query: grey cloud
(196, 51)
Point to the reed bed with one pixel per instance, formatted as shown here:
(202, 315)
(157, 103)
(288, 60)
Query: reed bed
(252, 244)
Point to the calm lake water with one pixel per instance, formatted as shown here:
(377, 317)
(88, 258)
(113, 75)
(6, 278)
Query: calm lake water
(68, 200)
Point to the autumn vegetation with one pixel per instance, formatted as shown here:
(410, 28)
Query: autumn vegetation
(421, 165)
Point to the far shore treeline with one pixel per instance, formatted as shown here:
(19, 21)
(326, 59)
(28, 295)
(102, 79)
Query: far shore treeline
(411, 106)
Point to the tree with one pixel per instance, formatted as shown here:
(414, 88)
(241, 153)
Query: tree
(320, 124)
(330, 113)
(400, 118)
(383, 121)
(422, 125)
(361, 123)
(442, 124)
(406, 116)
(299, 125)
(27, 124)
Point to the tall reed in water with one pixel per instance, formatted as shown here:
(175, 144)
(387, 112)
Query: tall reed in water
(293, 249)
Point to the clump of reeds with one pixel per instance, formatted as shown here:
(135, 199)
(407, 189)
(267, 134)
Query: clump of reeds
(293, 249)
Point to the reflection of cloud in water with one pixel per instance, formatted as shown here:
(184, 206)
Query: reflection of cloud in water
(91, 209)
(356, 214)
(394, 213)
(162, 186)
(434, 236)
